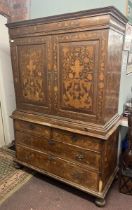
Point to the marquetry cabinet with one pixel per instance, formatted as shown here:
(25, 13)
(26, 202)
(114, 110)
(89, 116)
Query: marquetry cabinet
(67, 75)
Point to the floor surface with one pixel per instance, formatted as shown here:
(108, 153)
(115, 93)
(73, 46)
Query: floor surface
(43, 193)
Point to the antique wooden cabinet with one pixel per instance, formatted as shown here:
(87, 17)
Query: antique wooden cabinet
(67, 75)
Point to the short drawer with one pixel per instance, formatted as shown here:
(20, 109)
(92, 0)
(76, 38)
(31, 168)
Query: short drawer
(33, 128)
(58, 167)
(77, 139)
(69, 152)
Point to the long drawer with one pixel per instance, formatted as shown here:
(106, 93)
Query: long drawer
(66, 151)
(58, 167)
(33, 128)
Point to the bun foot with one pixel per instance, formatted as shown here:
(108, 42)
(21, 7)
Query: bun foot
(17, 165)
(100, 202)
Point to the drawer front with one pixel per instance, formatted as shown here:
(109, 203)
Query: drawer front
(33, 128)
(60, 149)
(77, 139)
(59, 167)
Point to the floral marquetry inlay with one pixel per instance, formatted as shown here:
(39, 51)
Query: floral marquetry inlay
(78, 65)
(32, 65)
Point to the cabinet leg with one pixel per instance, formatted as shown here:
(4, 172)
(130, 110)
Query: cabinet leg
(100, 202)
(17, 165)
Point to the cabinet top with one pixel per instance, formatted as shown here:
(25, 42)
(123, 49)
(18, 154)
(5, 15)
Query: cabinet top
(112, 11)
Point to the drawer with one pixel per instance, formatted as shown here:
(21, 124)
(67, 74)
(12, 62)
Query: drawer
(33, 128)
(58, 167)
(69, 152)
(77, 139)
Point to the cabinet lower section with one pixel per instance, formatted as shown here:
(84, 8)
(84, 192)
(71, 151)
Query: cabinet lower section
(85, 162)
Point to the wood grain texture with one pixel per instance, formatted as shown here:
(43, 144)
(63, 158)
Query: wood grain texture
(78, 140)
(114, 60)
(32, 128)
(76, 72)
(67, 75)
(58, 166)
(31, 61)
(80, 155)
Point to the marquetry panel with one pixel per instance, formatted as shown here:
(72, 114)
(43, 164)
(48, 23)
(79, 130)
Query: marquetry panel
(79, 75)
(32, 77)
(31, 61)
(77, 62)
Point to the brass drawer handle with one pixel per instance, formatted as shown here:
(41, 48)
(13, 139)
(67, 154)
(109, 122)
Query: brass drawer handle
(31, 126)
(32, 155)
(51, 142)
(77, 175)
(28, 157)
(51, 157)
(80, 156)
(74, 137)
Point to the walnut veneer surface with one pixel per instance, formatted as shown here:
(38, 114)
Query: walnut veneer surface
(67, 75)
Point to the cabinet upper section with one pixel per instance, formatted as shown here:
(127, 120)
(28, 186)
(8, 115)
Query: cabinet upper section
(68, 66)
(85, 20)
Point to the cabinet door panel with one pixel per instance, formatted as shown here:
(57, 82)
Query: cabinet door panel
(31, 58)
(79, 61)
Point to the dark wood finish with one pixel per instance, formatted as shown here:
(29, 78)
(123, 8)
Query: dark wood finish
(58, 166)
(66, 74)
(67, 151)
(76, 139)
(113, 74)
(75, 79)
(32, 128)
(31, 73)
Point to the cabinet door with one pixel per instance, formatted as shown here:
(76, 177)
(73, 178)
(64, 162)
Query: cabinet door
(79, 65)
(31, 67)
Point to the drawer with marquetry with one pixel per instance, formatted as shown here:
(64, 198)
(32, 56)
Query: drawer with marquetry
(32, 128)
(58, 167)
(70, 152)
(86, 142)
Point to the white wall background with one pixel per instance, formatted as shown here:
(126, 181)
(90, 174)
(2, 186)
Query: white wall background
(42, 8)
(7, 95)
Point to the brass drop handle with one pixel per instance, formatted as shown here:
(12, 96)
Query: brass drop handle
(74, 137)
(31, 126)
(80, 156)
(51, 157)
(26, 157)
(32, 155)
(51, 142)
(77, 175)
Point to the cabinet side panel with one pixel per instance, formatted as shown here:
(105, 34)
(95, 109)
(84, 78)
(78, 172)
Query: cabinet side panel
(115, 44)
(109, 156)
